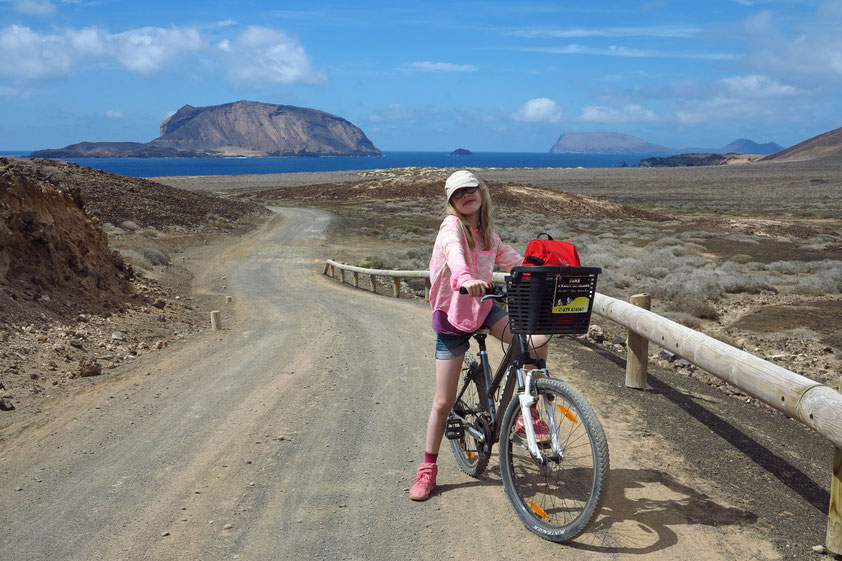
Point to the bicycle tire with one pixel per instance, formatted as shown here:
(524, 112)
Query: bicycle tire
(469, 454)
(559, 500)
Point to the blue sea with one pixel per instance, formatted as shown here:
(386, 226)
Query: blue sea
(159, 167)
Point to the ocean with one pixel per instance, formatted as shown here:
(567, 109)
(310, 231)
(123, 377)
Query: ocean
(160, 167)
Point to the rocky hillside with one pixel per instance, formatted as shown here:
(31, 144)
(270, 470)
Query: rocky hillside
(827, 146)
(53, 254)
(116, 198)
(242, 128)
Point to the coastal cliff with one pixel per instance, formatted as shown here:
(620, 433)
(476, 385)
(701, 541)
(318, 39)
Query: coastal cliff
(242, 128)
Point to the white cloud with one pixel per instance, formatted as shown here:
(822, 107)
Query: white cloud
(539, 110)
(629, 114)
(34, 7)
(756, 85)
(258, 56)
(612, 50)
(8, 91)
(149, 49)
(801, 50)
(113, 114)
(27, 55)
(392, 112)
(427, 66)
(679, 32)
(261, 56)
(620, 51)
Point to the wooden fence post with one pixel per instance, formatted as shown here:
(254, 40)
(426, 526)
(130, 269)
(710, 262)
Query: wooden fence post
(332, 271)
(637, 356)
(397, 286)
(427, 286)
(373, 283)
(833, 539)
(216, 321)
(356, 279)
(341, 275)
(327, 266)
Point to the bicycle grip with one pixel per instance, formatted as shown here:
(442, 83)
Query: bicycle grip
(489, 289)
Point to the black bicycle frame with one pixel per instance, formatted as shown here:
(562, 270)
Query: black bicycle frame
(516, 356)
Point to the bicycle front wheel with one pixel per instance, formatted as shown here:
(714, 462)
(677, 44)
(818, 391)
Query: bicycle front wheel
(559, 499)
(471, 455)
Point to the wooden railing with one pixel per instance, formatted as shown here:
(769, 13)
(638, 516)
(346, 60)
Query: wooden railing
(812, 403)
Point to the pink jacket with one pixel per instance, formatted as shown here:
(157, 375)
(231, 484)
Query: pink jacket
(453, 263)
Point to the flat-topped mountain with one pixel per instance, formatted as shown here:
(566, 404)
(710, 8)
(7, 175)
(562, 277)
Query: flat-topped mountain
(617, 143)
(827, 146)
(242, 128)
(605, 143)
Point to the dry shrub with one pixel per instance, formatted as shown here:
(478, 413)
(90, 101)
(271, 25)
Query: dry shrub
(684, 319)
(135, 258)
(695, 306)
(154, 256)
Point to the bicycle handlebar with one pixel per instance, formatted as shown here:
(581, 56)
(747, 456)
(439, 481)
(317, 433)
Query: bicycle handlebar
(494, 292)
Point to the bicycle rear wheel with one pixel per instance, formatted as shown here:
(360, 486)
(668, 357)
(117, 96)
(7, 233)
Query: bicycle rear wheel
(471, 455)
(557, 500)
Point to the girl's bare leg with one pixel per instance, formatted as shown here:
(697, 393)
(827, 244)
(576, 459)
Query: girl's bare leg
(537, 343)
(447, 381)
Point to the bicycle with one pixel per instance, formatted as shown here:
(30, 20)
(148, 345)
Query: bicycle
(556, 487)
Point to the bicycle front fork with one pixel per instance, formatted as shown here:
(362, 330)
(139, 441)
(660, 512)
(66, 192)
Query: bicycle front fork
(527, 397)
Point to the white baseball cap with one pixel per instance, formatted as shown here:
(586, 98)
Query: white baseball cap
(459, 180)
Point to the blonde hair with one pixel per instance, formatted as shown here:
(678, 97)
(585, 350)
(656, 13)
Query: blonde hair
(486, 222)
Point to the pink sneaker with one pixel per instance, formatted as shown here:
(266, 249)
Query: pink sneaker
(425, 481)
(542, 431)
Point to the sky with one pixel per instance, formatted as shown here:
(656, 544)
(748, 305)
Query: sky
(488, 76)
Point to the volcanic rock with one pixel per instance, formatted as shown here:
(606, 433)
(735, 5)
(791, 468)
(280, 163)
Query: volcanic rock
(242, 128)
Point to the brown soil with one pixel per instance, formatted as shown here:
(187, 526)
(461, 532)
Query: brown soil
(70, 306)
(227, 439)
(506, 195)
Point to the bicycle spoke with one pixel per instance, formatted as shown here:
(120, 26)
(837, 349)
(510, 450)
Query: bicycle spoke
(558, 498)
(467, 449)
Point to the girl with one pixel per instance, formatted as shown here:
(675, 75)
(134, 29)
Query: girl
(464, 255)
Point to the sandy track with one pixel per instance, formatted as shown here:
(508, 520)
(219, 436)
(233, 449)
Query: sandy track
(300, 425)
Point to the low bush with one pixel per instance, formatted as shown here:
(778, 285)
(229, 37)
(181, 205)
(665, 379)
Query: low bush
(154, 256)
(134, 258)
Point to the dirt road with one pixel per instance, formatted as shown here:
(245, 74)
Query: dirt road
(293, 433)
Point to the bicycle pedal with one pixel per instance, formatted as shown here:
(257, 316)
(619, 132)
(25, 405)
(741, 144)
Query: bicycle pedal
(454, 429)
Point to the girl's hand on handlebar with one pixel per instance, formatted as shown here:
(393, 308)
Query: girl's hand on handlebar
(475, 288)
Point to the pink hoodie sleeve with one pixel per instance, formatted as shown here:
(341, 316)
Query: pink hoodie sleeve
(452, 241)
(507, 257)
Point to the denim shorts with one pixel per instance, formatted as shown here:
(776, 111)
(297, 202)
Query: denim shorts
(454, 346)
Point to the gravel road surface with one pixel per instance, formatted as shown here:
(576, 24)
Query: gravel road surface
(293, 434)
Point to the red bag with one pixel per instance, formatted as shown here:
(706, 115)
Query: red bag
(550, 253)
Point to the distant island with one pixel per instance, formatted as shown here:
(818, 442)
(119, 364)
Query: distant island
(605, 143)
(240, 129)
(684, 160)
(617, 143)
(461, 152)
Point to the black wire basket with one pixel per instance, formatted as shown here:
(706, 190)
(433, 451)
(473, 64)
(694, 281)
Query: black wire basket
(551, 300)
